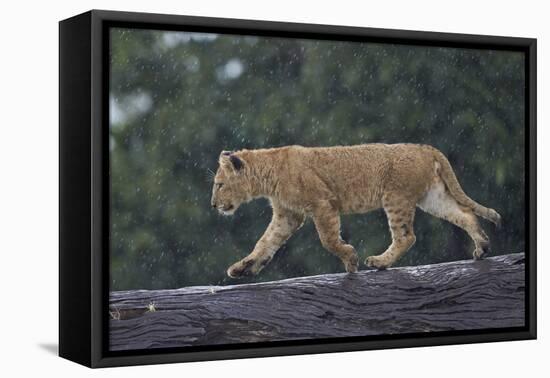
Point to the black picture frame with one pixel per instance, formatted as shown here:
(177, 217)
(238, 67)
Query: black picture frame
(84, 191)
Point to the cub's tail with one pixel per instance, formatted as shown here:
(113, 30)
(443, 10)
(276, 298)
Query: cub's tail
(449, 177)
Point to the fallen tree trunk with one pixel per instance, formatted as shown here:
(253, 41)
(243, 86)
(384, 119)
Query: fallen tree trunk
(462, 295)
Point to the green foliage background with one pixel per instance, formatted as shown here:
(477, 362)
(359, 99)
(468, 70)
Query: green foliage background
(177, 99)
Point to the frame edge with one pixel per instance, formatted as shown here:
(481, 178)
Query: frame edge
(74, 192)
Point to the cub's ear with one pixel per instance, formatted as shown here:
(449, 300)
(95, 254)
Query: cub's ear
(237, 162)
(231, 161)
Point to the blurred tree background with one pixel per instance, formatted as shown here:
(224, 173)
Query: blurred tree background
(177, 99)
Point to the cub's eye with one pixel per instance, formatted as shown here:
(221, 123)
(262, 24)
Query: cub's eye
(219, 185)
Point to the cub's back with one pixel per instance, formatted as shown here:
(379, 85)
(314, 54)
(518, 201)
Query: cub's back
(346, 163)
(359, 174)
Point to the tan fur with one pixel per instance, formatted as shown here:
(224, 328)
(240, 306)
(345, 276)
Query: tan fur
(323, 183)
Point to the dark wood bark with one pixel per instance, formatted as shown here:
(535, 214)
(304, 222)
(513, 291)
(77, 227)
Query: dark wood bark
(462, 295)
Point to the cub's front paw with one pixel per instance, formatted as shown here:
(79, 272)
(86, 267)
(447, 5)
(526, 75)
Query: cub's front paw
(352, 264)
(241, 268)
(376, 262)
(482, 250)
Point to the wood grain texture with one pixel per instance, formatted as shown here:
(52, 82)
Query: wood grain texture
(462, 295)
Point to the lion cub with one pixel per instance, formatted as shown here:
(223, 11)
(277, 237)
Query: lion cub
(324, 182)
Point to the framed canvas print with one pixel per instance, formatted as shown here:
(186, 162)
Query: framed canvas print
(234, 188)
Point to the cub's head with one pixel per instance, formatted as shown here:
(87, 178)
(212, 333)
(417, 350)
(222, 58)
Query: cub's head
(229, 190)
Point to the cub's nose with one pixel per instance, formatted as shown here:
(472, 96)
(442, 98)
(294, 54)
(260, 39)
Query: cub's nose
(213, 205)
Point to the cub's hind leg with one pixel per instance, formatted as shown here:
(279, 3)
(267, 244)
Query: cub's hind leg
(440, 203)
(327, 222)
(400, 213)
